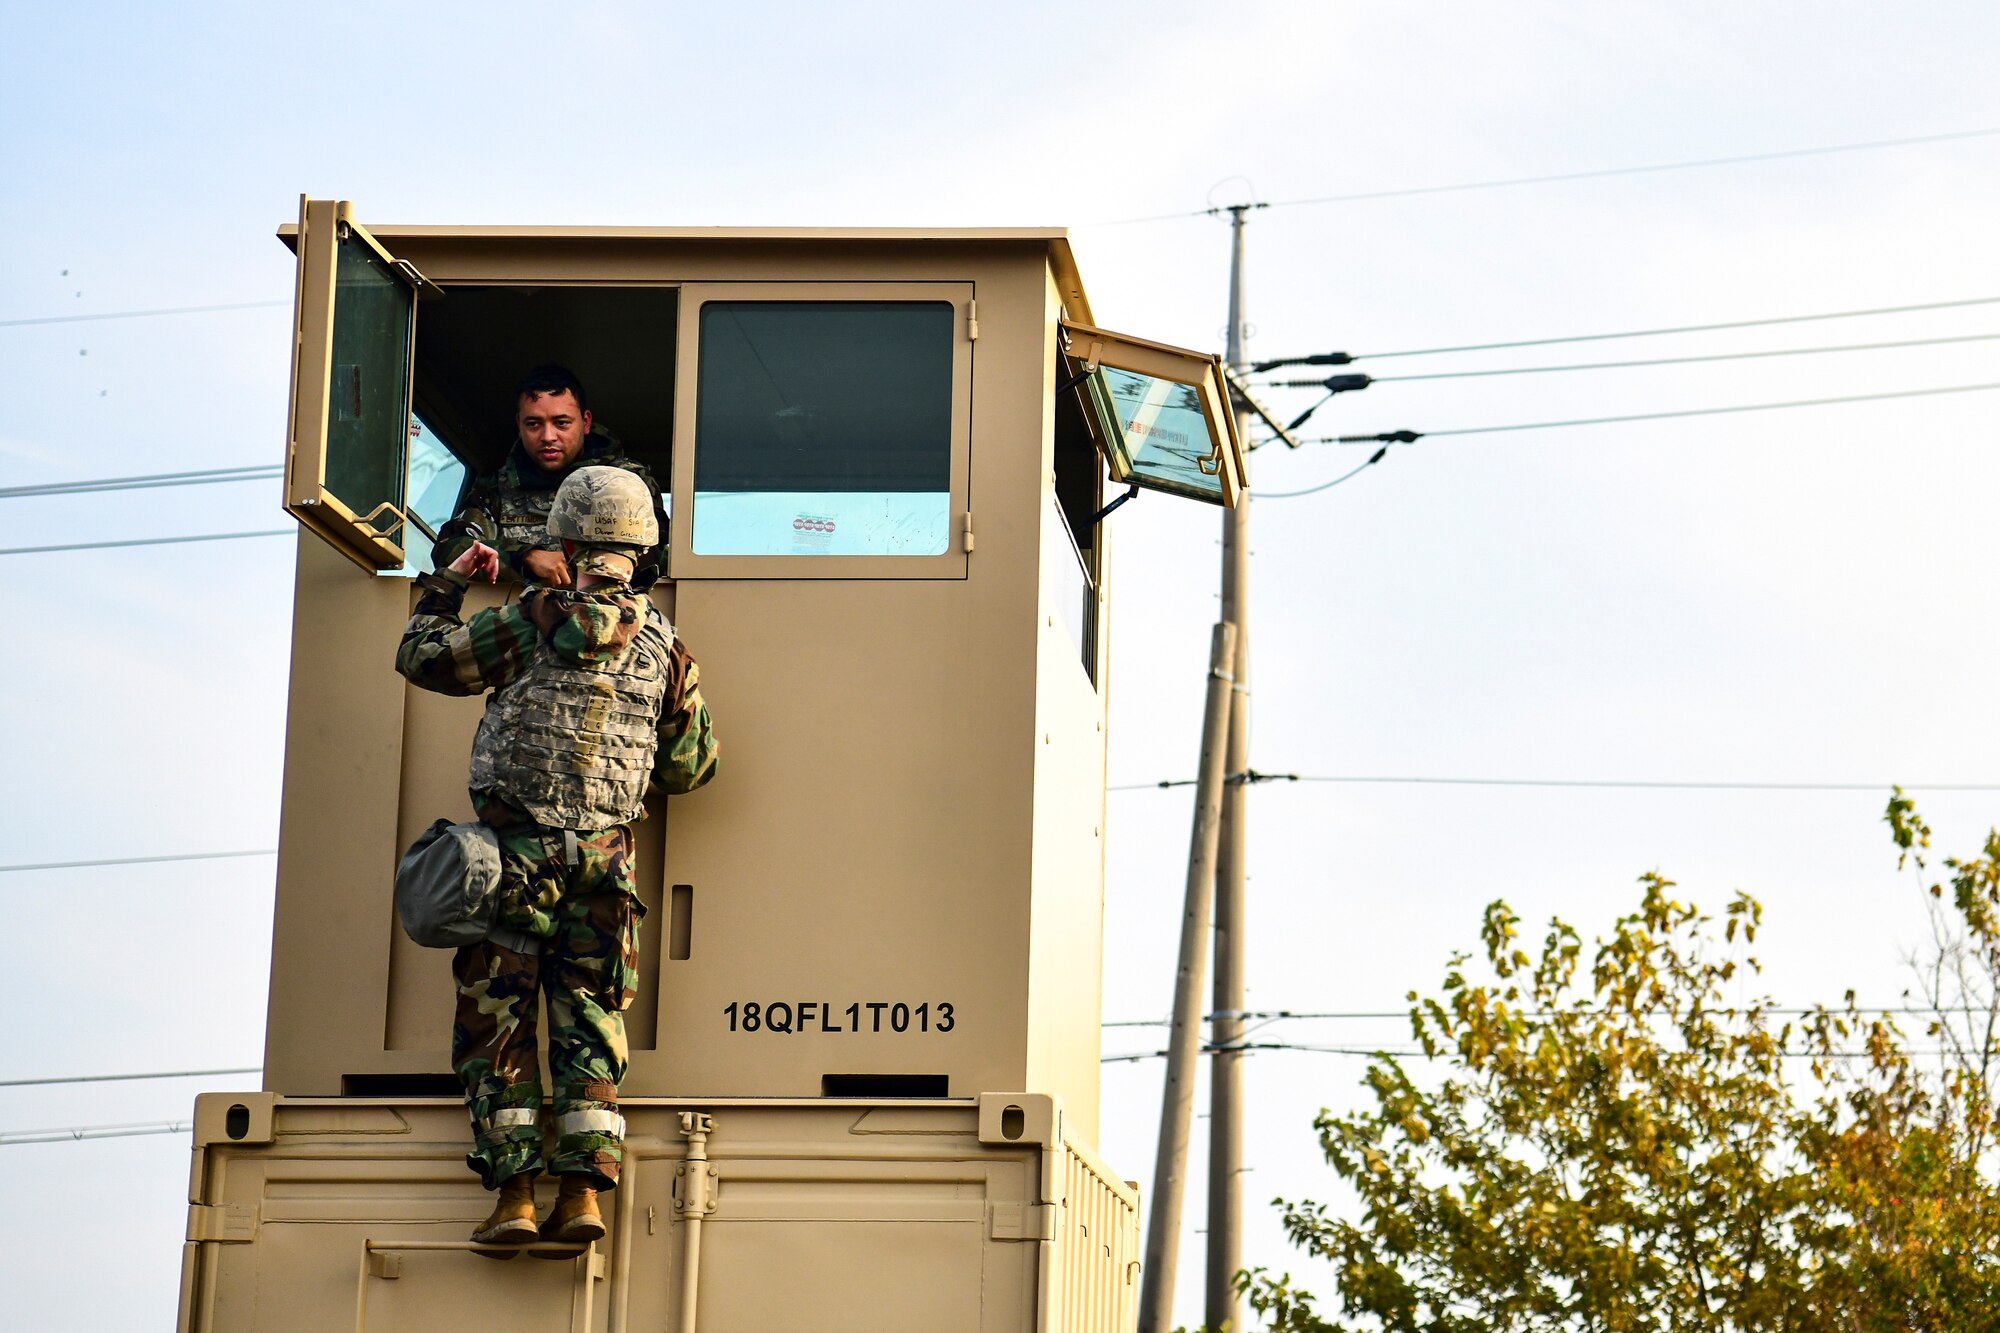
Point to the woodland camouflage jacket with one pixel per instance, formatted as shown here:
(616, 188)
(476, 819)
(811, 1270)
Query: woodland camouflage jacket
(439, 652)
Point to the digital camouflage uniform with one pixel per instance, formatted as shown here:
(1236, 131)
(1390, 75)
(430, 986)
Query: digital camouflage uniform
(509, 509)
(611, 649)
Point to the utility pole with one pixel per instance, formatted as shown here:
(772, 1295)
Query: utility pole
(1222, 1307)
(1163, 1226)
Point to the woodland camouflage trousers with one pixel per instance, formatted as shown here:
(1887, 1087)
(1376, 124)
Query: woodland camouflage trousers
(586, 916)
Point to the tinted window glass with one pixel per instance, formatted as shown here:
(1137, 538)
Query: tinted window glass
(1162, 429)
(368, 401)
(824, 428)
(436, 477)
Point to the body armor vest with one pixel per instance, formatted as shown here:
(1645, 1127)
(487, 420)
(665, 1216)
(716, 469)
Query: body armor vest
(573, 745)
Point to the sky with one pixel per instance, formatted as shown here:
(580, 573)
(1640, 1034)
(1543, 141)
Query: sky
(1791, 596)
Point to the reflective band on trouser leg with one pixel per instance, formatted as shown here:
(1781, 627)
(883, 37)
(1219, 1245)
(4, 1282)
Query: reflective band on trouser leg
(591, 1122)
(499, 1127)
(512, 1115)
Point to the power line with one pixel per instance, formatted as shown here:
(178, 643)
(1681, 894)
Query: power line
(1652, 361)
(140, 314)
(1444, 1052)
(12, 1138)
(1720, 411)
(1280, 1015)
(125, 1078)
(1325, 485)
(1866, 145)
(1603, 783)
(141, 860)
(212, 476)
(1510, 181)
(1413, 436)
(1683, 328)
(145, 541)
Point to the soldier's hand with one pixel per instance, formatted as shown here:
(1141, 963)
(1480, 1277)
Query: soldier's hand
(547, 568)
(478, 559)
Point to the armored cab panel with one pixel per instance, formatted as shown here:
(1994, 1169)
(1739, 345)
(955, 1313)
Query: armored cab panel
(351, 1213)
(884, 453)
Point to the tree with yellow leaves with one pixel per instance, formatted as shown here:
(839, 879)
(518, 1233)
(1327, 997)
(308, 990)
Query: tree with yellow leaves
(1614, 1144)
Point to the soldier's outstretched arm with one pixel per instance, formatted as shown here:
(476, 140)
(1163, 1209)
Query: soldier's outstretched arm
(472, 523)
(440, 652)
(688, 751)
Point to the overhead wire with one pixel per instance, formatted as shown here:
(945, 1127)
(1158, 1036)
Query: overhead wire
(141, 314)
(1507, 182)
(140, 860)
(1650, 361)
(127, 1078)
(16, 1137)
(97, 485)
(1604, 783)
(1444, 1052)
(1690, 164)
(145, 541)
(1325, 485)
(79, 1133)
(1669, 330)
(1717, 411)
(1261, 1017)
(1791, 1011)
(1410, 437)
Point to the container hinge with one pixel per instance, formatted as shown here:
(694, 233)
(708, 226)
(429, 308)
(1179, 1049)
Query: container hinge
(965, 523)
(229, 1223)
(695, 1188)
(972, 321)
(1021, 1221)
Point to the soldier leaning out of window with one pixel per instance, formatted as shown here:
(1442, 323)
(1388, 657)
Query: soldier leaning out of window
(509, 509)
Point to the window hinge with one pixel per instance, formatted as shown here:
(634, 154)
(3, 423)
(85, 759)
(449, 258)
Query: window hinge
(965, 523)
(972, 321)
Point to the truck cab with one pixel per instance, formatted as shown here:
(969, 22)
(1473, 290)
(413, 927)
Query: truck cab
(872, 956)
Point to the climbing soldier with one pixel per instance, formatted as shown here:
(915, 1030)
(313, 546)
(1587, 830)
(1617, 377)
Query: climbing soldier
(594, 695)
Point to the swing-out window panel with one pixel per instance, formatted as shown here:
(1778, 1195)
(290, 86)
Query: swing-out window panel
(437, 477)
(828, 430)
(347, 468)
(1160, 415)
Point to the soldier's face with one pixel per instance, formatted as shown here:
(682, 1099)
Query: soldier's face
(552, 428)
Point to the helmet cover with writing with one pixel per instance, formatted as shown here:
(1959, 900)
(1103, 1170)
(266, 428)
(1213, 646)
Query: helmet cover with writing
(604, 506)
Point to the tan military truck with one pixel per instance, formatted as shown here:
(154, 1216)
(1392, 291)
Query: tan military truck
(864, 1081)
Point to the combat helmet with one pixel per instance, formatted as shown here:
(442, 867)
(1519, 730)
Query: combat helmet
(605, 507)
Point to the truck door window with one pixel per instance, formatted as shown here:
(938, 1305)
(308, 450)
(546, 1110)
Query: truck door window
(368, 411)
(824, 428)
(346, 471)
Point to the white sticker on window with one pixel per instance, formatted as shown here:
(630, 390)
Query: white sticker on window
(822, 522)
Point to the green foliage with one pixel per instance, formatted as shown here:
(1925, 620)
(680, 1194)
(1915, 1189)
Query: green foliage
(1616, 1145)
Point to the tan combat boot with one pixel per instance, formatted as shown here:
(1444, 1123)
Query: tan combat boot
(512, 1221)
(575, 1219)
